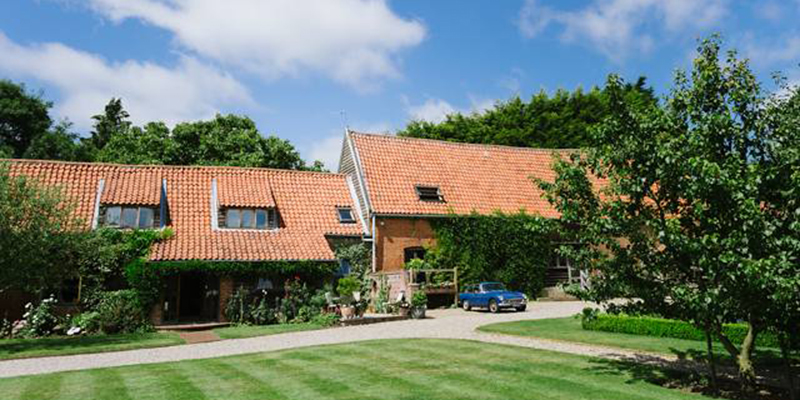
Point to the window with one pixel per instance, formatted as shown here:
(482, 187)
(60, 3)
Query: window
(411, 253)
(249, 218)
(129, 217)
(346, 215)
(429, 193)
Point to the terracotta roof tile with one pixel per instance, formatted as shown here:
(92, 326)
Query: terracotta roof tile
(306, 202)
(471, 177)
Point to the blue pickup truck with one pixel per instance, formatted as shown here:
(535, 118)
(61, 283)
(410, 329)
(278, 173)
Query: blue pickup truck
(493, 296)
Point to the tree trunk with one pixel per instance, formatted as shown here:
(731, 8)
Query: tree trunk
(712, 362)
(787, 367)
(747, 372)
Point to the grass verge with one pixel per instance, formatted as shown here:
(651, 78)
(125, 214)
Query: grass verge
(246, 331)
(61, 346)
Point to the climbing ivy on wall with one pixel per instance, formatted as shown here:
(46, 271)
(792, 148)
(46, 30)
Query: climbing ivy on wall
(511, 248)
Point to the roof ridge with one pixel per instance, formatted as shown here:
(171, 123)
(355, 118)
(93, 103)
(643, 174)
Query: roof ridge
(154, 166)
(464, 144)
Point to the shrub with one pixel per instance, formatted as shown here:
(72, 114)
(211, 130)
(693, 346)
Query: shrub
(261, 313)
(666, 328)
(347, 286)
(325, 319)
(88, 321)
(40, 320)
(237, 309)
(121, 312)
(419, 299)
(6, 327)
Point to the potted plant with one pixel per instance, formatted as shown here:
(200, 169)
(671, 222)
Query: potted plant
(419, 303)
(347, 288)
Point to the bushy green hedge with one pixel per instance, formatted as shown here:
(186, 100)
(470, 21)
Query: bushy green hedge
(667, 328)
(510, 248)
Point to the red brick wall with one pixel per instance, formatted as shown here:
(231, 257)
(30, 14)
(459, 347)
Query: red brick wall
(226, 285)
(394, 235)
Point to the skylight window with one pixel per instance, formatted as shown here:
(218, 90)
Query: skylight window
(346, 215)
(429, 193)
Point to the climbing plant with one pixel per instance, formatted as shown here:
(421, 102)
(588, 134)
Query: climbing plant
(510, 248)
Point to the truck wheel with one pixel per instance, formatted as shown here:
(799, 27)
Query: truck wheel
(493, 307)
(465, 305)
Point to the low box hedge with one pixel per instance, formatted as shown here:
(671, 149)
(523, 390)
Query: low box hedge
(668, 328)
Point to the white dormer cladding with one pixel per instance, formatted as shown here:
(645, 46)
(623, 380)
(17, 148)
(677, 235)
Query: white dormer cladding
(350, 164)
(214, 205)
(354, 195)
(164, 205)
(101, 183)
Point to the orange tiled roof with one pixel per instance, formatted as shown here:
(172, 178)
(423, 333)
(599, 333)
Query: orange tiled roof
(471, 177)
(306, 202)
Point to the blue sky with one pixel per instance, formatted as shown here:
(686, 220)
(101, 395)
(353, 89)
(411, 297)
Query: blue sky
(302, 69)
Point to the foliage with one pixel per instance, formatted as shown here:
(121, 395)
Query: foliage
(359, 256)
(6, 327)
(225, 140)
(661, 327)
(563, 120)
(23, 118)
(382, 299)
(112, 122)
(121, 311)
(419, 299)
(237, 308)
(511, 248)
(41, 319)
(325, 319)
(37, 243)
(87, 321)
(693, 187)
(417, 264)
(347, 286)
(58, 143)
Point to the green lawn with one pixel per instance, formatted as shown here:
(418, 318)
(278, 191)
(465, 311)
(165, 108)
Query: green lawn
(569, 329)
(60, 346)
(245, 331)
(387, 369)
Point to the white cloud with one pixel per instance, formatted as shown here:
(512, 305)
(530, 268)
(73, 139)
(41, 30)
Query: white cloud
(767, 53)
(436, 110)
(619, 27)
(432, 110)
(150, 92)
(355, 42)
(327, 150)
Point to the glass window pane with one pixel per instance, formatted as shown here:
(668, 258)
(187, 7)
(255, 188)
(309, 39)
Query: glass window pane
(129, 216)
(232, 219)
(272, 219)
(345, 215)
(145, 217)
(261, 219)
(113, 215)
(248, 219)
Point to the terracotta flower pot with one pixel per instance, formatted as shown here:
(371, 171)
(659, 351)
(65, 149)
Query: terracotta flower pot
(348, 312)
(402, 311)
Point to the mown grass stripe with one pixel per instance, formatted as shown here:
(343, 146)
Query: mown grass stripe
(173, 383)
(42, 387)
(324, 380)
(108, 384)
(435, 373)
(510, 360)
(286, 381)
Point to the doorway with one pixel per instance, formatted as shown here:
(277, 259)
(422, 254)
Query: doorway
(195, 295)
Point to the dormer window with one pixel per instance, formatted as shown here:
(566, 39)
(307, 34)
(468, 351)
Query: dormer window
(429, 193)
(129, 217)
(249, 218)
(345, 215)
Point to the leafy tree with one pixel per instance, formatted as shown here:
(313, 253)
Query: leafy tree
(58, 143)
(224, 140)
(36, 240)
(150, 144)
(23, 117)
(113, 121)
(561, 121)
(689, 220)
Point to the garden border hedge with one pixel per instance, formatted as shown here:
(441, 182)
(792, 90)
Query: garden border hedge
(669, 328)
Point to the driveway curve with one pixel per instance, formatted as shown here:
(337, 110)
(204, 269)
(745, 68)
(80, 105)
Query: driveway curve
(442, 324)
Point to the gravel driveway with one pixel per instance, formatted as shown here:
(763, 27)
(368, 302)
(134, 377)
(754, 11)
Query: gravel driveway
(443, 324)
